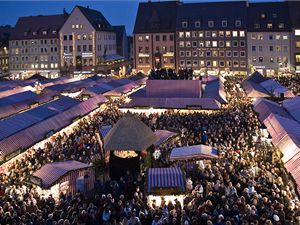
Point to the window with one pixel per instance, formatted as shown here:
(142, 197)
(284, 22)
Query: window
(140, 38)
(222, 63)
(182, 63)
(228, 53)
(242, 53)
(200, 34)
(207, 44)
(195, 63)
(188, 53)
(253, 36)
(261, 59)
(195, 54)
(228, 44)
(221, 33)
(284, 37)
(262, 15)
(164, 37)
(256, 26)
(274, 15)
(181, 34)
(78, 48)
(221, 53)
(194, 34)
(184, 24)
(90, 37)
(260, 48)
(214, 34)
(201, 53)
(243, 64)
(297, 44)
(224, 23)
(33, 33)
(207, 33)
(194, 44)
(201, 63)
(228, 34)
(269, 25)
(221, 43)
(278, 48)
(235, 63)
(181, 44)
(242, 43)
(238, 23)
(260, 37)
(77, 26)
(215, 44)
(298, 58)
(44, 32)
(215, 63)
(201, 43)
(171, 37)
(277, 36)
(208, 63)
(211, 23)
(254, 59)
(242, 33)
(215, 53)
(197, 24)
(78, 37)
(297, 32)
(271, 59)
(187, 34)
(208, 53)
(234, 33)
(90, 48)
(270, 37)
(235, 54)
(281, 25)
(188, 44)
(271, 48)
(65, 37)
(157, 37)
(84, 37)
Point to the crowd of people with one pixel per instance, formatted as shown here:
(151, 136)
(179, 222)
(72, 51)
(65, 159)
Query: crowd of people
(291, 82)
(169, 74)
(246, 185)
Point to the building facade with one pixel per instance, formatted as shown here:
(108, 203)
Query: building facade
(154, 36)
(211, 37)
(295, 35)
(87, 40)
(269, 38)
(5, 32)
(34, 46)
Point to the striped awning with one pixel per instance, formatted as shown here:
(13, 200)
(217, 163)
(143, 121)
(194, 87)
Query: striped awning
(163, 135)
(104, 130)
(50, 173)
(172, 177)
(193, 152)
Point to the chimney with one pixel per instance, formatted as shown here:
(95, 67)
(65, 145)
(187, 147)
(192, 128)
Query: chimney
(87, 6)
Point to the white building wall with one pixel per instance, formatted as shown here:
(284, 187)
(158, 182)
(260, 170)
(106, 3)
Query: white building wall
(269, 52)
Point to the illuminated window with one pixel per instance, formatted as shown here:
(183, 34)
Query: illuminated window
(297, 44)
(242, 33)
(228, 34)
(188, 44)
(281, 25)
(297, 32)
(298, 58)
(147, 38)
(277, 36)
(215, 44)
(44, 32)
(78, 37)
(269, 25)
(221, 33)
(181, 44)
(207, 44)
(228, 43)
(90, 37)
(284, 37)
(140, 38)
(214, 34)
(271, 59)
(187, 34)
(234, 33)
(215, 63)
(200, 34)
(262, 15)
(253, 36)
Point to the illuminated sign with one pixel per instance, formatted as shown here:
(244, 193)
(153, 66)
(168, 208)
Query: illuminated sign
(168, 54)
(87, 54)
(143, 55)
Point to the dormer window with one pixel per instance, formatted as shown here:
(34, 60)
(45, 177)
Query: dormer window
(184, 24)
(274, 15)
(224, 23)
(263, 16)
(54, 32)
(269, 25)
(211, 23)
(44, 32)
(34, 33)
(281, 25)
(238, 23)
(77, 26)
(197, 24)
(25, 33)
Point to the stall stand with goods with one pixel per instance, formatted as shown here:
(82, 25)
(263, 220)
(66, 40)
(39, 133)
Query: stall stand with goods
(165, 185)
(64, 177)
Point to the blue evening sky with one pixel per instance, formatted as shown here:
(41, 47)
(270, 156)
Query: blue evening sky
(121, 12)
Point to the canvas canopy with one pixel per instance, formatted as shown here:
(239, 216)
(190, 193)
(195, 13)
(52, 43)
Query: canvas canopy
(193, 152)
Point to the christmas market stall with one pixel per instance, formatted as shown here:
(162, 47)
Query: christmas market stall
(164, 185)
(64, 177)
(125, 143)
(189, 156)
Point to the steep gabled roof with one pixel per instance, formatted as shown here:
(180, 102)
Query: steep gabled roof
(27, 26)
(129, 133)
(156, 17)
(95, 18)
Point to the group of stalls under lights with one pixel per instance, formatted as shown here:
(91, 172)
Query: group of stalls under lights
(129, 140)
(282, 124)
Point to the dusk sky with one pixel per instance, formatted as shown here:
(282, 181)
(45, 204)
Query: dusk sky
(117, 12)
